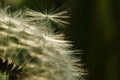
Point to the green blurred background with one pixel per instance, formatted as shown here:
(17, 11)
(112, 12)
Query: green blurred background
(95, 26)
(94, 29)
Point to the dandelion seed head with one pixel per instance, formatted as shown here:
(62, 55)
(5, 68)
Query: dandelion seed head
(28, 42)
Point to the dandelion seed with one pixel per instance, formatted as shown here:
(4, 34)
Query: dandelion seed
(28, 53)
(56, 17)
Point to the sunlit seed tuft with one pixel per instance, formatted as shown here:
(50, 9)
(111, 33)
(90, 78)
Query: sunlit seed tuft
(28, 42)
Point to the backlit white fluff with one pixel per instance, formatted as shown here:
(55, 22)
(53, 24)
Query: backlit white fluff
(28, 40)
